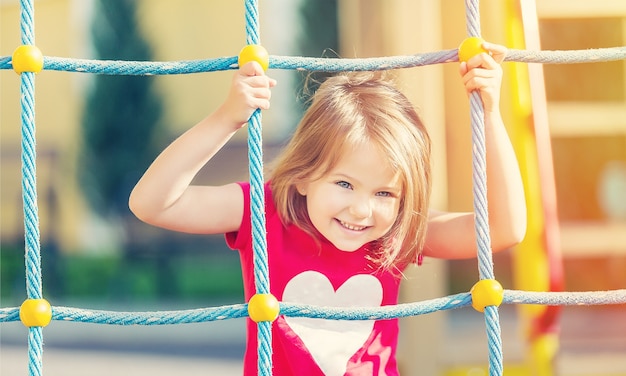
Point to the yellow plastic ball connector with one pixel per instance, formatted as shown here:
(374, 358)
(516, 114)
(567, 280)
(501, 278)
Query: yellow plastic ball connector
(485, 293)
(471, 47)
(263, 307)
(254, 52)
(35, 312)
(27, 58)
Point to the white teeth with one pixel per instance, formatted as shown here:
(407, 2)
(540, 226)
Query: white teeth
(351, 227)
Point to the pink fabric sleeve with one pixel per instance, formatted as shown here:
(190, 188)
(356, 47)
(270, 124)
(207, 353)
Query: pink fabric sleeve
(238, 239)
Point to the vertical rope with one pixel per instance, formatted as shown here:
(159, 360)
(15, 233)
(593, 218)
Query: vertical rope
(29, 188)
(479, 188)
(27, 22)
(472, 13)
(35, 351)
(32, 252)
(259, 243)
(494, 341)
(257, 202)
(252, 22)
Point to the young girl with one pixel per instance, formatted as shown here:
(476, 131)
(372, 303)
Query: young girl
(346, 208)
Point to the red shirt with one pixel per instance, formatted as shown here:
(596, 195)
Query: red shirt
(303, 270)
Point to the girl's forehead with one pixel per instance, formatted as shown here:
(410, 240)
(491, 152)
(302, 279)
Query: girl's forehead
(368, 162)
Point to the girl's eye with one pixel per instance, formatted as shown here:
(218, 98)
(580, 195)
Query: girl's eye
(384, 194)
(344, 184)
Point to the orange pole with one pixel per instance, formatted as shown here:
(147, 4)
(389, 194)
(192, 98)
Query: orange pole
(537, 260)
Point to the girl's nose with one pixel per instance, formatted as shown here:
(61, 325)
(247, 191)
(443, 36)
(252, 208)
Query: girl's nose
(361, 208)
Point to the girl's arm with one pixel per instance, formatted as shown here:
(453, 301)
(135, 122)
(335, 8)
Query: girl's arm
(452, 235)
(164, 195)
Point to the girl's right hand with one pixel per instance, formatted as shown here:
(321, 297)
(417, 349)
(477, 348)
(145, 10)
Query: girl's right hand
(250, 90)
(484, 73)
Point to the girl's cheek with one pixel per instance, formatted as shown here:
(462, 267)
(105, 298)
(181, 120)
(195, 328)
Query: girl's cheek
(388, 209)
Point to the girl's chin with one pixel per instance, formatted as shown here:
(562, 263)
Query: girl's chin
(348, 248)
(343, 245)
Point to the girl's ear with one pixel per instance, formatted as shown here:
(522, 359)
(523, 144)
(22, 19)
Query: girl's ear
(302, 188)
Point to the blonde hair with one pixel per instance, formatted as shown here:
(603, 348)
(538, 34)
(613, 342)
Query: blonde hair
(346, 110)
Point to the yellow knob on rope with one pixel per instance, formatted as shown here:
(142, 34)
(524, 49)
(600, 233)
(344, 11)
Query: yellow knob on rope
(35, 312)
(27, 58)
(254, 52)
(263, 307)
(485, 293)
(471, 47)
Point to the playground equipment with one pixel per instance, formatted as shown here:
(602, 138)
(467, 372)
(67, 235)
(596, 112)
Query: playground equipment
(485, 296)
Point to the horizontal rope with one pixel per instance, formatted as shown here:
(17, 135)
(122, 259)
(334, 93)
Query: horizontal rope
(150, 318)
(376, 313)
(586, 298)
(145, 68)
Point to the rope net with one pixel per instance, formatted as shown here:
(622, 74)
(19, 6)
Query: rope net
(32, 239)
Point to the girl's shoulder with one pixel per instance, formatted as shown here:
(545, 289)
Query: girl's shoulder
(242, 238)
(268, 200)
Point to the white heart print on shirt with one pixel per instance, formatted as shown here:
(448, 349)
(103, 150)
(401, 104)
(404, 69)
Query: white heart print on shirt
(332, 342)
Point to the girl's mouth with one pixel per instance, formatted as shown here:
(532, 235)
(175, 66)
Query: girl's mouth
(351, 227)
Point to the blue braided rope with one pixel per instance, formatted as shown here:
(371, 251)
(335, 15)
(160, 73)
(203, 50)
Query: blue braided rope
(584, 298)
(121, 67)
(377, 313)
(139, 68)
(35, 351)
(483, 239)
(32, 253)
(472, 17)
(479, 189)
(257, 203)
(567, 57)
(150, 318)
(144, 68)
(29, 187)
(27, 22)
(252, 22)
(201, 315)
(494, 340)
(264, 350)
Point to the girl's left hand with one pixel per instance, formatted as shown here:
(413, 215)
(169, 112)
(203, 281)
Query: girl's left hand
(484, 73)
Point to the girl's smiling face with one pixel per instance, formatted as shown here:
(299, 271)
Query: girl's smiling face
(357, 201)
